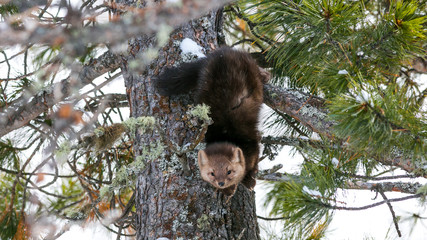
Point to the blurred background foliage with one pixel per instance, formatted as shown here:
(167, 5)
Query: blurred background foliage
(366, 59)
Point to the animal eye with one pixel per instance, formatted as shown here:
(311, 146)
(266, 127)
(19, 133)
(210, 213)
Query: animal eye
(229, 172)
(212, 174)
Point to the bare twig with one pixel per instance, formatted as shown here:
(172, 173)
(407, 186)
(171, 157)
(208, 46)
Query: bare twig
(272, 219)
(375, 204)
(396, 225)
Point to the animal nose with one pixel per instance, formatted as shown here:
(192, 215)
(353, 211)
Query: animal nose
(221, 184)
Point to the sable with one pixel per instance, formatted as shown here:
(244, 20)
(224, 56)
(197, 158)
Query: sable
(231, 83)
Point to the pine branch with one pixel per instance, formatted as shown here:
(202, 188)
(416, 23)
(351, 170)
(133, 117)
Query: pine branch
(251, 25)
(312, 113)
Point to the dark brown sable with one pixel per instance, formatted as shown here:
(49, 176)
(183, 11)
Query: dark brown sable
(231, 83)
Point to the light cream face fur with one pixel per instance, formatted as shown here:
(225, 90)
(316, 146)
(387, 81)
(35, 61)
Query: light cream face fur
(221, 171)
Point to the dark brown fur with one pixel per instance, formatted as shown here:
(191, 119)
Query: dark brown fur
(230, 82)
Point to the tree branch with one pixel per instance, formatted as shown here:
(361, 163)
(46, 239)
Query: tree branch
(375, 204)
(402, 187)
(23, 110)
(393, 214)
(308, 110)
(312, 113)
(137, 22)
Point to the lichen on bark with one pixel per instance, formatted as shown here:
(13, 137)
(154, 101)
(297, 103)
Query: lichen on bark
(168, 203)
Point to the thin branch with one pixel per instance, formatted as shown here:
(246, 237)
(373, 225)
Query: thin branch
(403, 187)
(396, 225)
(272, 219)
(375, 204)
(380, 178)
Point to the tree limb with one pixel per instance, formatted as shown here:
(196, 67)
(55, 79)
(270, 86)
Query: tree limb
(24, 109)
(308, 110)
(311, 111)
(137, 22)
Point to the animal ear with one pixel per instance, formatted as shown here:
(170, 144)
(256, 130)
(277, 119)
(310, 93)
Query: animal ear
(265, 75)
(202, 158)
(237, 155)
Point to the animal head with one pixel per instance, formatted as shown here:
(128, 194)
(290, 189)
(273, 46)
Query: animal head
(222, 165)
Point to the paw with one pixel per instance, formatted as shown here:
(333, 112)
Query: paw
(249, 182)
(230, 190)
(265, 75)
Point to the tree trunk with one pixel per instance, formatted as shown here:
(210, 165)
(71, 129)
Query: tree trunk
(169, 204)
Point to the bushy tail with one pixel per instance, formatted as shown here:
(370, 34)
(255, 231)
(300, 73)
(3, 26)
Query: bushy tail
(179, 80)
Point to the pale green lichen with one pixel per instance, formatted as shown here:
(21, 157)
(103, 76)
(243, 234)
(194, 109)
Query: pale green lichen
(181, 219)
(163, 34)
(152, 151)
(422, 190)
(170, 166)
(138, 165)
(147, 56)
(104, 191)
(143, 123)
(201, 111)
(122, 177)
(126, 175)
(177, 3)
(62, 152)
(134, 64)
(99, 131)
(75, 214)
(140, 4)
(312, 112)
(203, 222)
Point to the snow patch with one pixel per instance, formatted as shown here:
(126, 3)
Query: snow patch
(189, 46)
(363, 96)
(311, 192)
(335, 162)
(343, 72)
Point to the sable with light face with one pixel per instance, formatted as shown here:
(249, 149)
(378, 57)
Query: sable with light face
(231, 84)
(222, 165)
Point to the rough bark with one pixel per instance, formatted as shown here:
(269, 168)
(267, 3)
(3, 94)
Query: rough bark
(168, 204)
